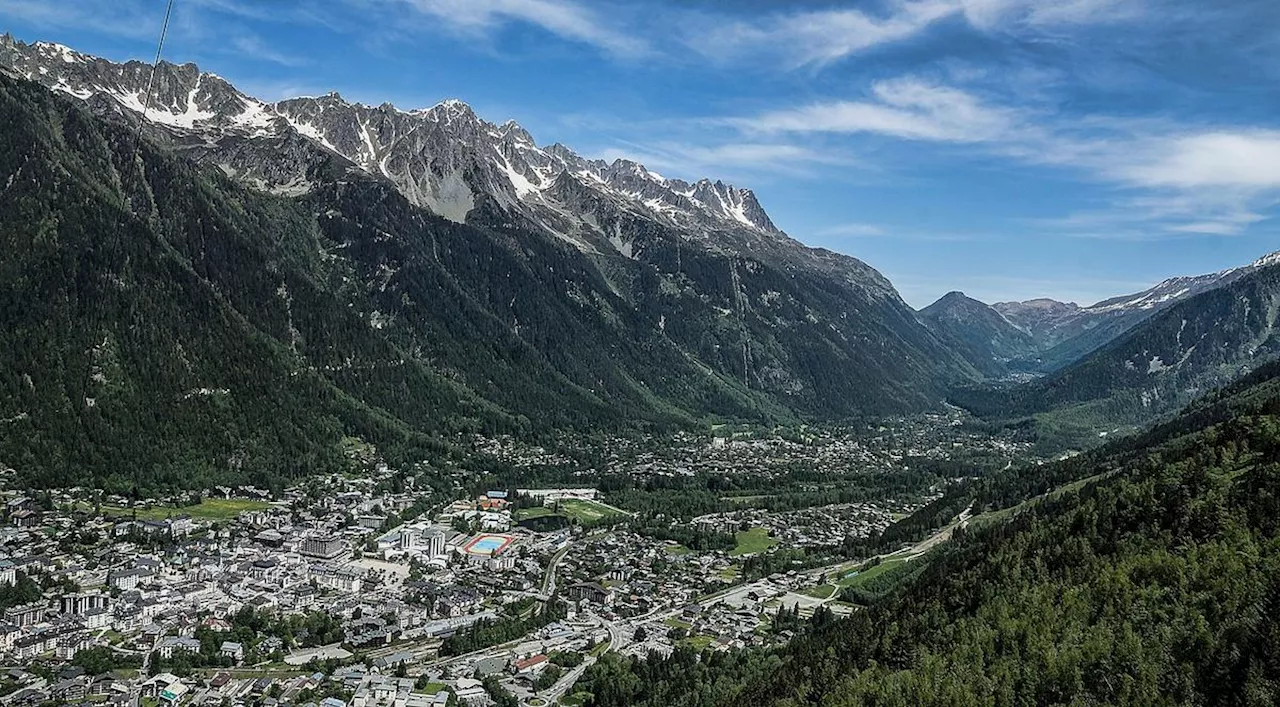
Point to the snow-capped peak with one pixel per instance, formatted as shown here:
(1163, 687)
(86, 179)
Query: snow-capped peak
(443, 157)
(1267, 260)
(61, 51)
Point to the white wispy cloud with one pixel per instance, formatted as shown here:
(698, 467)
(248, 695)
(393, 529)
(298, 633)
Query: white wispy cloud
(727, 160)
(851, 230)
(563, 18)
(908, 107)
(818, 37)
(993, 14)
(1168, 178)
(255, 48)
(1212, 181)
(124, 19)
(1244, 159)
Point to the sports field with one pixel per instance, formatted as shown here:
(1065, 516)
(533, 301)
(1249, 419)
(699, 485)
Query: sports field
(488, 544)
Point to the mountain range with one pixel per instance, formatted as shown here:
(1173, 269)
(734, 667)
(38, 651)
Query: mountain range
(1134, 358)
(251, 285)
(292, 277)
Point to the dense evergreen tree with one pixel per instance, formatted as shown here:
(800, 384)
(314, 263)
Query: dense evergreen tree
(1151, 583)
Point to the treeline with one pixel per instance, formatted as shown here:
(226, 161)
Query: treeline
(681, 498)
(1156, 584)
(493, 632)
(685, 535)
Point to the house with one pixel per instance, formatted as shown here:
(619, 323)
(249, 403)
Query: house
(172, 644)
(530, 666)
(8, 634)
(25, 518)
(70, 690)
(95, 619)
(8, 572)
(69, 644)
(25, 615)
(125, 580)
(214, 623)
(82, 603)
(271, 644)
(471, 693)
(21, 503)
(157, 684)
(232, 650)
(174, 693)
(325, 547)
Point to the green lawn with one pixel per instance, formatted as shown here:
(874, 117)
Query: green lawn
(698, 643)
(673, 622)
(752, 541)
(820, 592)
(209, 509)
(587, 511)
(678, 550)
(431, 688)
(535, 512)
(871, 573)
(730, 573)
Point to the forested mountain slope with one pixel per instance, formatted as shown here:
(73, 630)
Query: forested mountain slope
(1186, 349)
(992, 342)
(167, 324)
(1064, 333)
(1154, 584)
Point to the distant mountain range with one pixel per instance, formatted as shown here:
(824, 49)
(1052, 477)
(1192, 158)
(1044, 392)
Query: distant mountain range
(1145, 355)
(994, 344)
(1044, 335)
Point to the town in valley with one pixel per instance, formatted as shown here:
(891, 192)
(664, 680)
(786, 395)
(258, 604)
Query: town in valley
(431, 586)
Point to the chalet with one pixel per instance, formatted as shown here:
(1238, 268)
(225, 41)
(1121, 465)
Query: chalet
(172, 644)
(25, 518)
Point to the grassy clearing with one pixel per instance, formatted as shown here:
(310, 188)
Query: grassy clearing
(587, 511)
(743, 499)
(820, 592)
(530, 513)
(730, 573)
(432, 688)
(678, 550)
(208, 509)
(871, 573)
(752, 541)
(1004, 514)
(698, 643)
(673, 622)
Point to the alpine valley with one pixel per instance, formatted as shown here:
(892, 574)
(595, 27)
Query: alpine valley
(212, 287)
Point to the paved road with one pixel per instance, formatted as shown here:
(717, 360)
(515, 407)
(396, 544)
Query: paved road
(549, 579)
(565, 683)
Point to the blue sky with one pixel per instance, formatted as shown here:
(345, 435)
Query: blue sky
(1074, 149)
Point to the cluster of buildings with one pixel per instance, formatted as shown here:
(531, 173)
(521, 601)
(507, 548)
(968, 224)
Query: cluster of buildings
(154, 588)
(368, 576)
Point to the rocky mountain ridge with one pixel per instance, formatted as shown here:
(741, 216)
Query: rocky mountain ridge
(445, 158)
